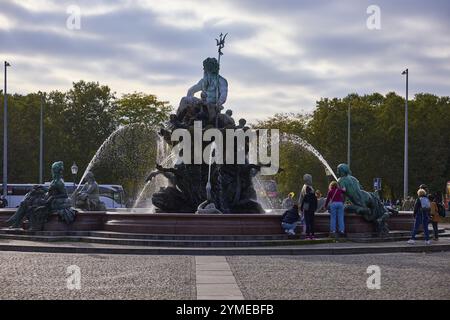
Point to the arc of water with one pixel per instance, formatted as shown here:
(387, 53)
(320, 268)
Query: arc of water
(98, 153)
(213, 148)
(287, 137)
(161, 158)
(208, 184)
(266, 202)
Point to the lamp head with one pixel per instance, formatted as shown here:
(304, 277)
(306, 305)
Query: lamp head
(74, 168)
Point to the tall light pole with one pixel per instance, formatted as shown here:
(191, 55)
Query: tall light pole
(41, 142)
(405, 173)
(74, 169)
(348, 135)
(5, 135)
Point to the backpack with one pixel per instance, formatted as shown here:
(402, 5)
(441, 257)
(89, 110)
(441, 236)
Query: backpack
(425, 205)
(441, 210)
(310, 202)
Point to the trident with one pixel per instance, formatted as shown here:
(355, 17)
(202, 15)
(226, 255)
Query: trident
(220, 44)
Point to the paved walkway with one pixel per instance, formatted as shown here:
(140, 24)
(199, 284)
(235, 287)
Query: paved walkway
(45, 276)
(214, 279)
(444, 225)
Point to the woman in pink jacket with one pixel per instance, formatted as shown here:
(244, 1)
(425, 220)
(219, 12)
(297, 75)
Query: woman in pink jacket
(336, 198)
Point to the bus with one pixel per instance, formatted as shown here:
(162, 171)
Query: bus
(113, 196)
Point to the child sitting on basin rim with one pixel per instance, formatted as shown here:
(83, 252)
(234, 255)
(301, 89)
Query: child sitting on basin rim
(289, 220)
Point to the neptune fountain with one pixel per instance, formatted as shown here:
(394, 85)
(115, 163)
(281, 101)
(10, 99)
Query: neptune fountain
(205, 187)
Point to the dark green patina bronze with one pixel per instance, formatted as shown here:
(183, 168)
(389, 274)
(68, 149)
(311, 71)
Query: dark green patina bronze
(88, 198)
(366, 204)
(39, 203)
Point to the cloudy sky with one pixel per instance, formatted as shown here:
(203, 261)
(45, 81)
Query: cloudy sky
(280, 56)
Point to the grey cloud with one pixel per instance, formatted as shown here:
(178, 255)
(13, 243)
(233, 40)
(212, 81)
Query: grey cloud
(330, 31)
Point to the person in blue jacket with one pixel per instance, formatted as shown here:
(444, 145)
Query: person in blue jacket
(289, 220)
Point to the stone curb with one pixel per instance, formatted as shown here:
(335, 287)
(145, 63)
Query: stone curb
(229, 251)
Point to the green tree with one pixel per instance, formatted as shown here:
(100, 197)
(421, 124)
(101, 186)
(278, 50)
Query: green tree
(142, 108)
(377, 137)
(294, 160)
(132, 153)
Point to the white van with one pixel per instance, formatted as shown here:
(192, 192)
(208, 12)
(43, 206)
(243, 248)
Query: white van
(112, 195)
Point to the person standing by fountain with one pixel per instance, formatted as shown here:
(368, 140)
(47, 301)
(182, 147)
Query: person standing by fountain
(422, 209)
(434, 214)
(336, 198)
(289, 202)
(308, 205)
(307, 182)
(320, 201)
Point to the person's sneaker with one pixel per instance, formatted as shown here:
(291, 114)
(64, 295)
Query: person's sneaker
(428, 242)
(291, 233)
(411, 241)
(332, 235)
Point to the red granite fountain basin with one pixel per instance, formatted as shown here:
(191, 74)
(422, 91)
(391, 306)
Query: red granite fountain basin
(202, 224)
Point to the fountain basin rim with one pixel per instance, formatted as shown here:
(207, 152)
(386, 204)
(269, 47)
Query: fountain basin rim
(200, 224)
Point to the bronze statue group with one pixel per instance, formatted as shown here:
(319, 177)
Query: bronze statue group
(40, 202)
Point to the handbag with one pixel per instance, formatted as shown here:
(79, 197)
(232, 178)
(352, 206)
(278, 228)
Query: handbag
(331, 199)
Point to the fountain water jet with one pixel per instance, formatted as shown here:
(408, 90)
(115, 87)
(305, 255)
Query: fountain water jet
(163, 157)
(266, 202)
(288, 137)
(98, 153)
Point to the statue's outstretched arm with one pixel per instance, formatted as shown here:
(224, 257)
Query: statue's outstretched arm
(166, 172)
(153, 174)
(195, 88)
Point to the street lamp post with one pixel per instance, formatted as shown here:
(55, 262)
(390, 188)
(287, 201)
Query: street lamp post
(348, 135)
(405, 173)
(41, 142)
(5, 135)
(74, 170)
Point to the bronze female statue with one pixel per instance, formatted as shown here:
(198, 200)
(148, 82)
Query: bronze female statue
(38, 204)
(367, 204)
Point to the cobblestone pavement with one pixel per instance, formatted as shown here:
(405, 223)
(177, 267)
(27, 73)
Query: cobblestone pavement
(43, 276)
(403, 276)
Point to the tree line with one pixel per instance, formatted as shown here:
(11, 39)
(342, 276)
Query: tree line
(77, 122)
(377, 142)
